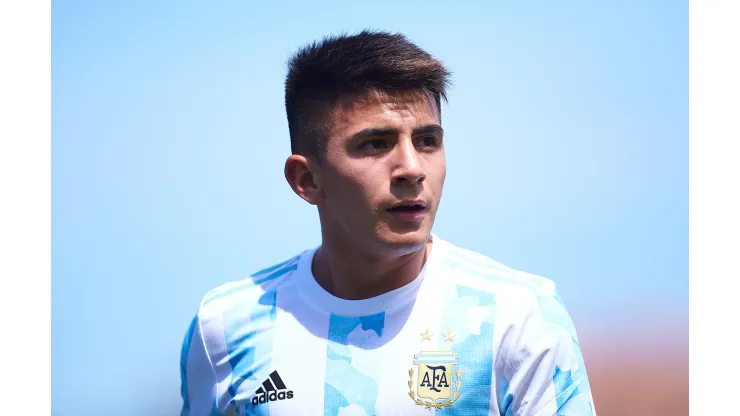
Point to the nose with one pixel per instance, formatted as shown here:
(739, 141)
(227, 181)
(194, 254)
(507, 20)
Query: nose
(408, 168)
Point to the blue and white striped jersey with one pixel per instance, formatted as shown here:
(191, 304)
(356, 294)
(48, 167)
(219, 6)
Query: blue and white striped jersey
(468, 336)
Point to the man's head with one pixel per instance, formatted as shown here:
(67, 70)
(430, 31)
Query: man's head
(364, 118)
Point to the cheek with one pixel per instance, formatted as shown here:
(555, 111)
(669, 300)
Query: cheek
(365, 190)
(437, 175)
(350, 190)
(364, 181)
(442, 171)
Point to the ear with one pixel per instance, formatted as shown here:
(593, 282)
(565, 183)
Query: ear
(303, 178)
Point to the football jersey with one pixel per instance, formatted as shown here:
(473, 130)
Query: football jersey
(468, 336)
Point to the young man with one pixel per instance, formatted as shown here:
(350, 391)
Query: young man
(384, 318)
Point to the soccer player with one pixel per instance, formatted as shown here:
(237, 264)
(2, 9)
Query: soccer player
(384, 317)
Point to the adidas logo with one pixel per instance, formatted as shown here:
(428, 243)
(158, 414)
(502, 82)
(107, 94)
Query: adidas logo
(272, 389)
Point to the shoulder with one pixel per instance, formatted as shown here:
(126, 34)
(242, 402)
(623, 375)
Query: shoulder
(518, 295)
(539, 359)
(247, 291)
(473, 268)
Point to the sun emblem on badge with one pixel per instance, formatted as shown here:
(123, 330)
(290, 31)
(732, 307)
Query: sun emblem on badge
(438, 378)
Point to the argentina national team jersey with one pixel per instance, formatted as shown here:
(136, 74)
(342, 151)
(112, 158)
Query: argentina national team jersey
(468, 336)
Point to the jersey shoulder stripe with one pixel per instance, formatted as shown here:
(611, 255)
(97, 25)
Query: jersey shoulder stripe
(259, 278)
(492, 275)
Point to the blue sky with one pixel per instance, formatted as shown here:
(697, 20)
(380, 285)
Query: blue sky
(567, 147)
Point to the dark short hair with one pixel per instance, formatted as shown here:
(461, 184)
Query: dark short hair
(320, 73)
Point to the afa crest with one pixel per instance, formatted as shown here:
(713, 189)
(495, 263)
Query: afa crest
(437, 379)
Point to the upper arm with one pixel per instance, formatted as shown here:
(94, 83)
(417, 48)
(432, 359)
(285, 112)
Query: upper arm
(197, 377)
(544, 371)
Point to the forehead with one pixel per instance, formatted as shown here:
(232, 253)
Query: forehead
(383, 109)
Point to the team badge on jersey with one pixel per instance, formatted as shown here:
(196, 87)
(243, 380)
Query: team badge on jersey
(438, 379)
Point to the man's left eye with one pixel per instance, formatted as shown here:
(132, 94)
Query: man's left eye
(428, 141)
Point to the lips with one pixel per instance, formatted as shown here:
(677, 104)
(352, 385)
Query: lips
(409, 207)
(409, 211)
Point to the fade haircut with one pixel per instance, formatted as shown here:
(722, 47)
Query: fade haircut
(321, 73)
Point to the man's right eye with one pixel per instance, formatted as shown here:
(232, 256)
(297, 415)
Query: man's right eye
(374, 144)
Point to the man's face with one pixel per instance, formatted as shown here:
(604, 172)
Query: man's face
(383, 170)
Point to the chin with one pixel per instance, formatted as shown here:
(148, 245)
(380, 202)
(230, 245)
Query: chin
(404, 242)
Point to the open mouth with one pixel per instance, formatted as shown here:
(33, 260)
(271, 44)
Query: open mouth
(408, 208)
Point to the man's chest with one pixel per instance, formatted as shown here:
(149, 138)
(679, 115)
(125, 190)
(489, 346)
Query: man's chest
(404, 364)
(350, 381)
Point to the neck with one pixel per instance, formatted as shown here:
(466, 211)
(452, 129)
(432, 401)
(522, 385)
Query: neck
(351, 273)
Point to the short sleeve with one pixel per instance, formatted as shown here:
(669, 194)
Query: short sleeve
(198, 380)
(544, 371)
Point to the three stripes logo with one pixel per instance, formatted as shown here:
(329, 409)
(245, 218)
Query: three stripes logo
(272, 389)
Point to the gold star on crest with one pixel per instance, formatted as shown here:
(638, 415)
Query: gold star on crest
(426, 336)
(449, 336)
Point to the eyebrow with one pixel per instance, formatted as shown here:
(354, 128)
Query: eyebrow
(376, 132)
